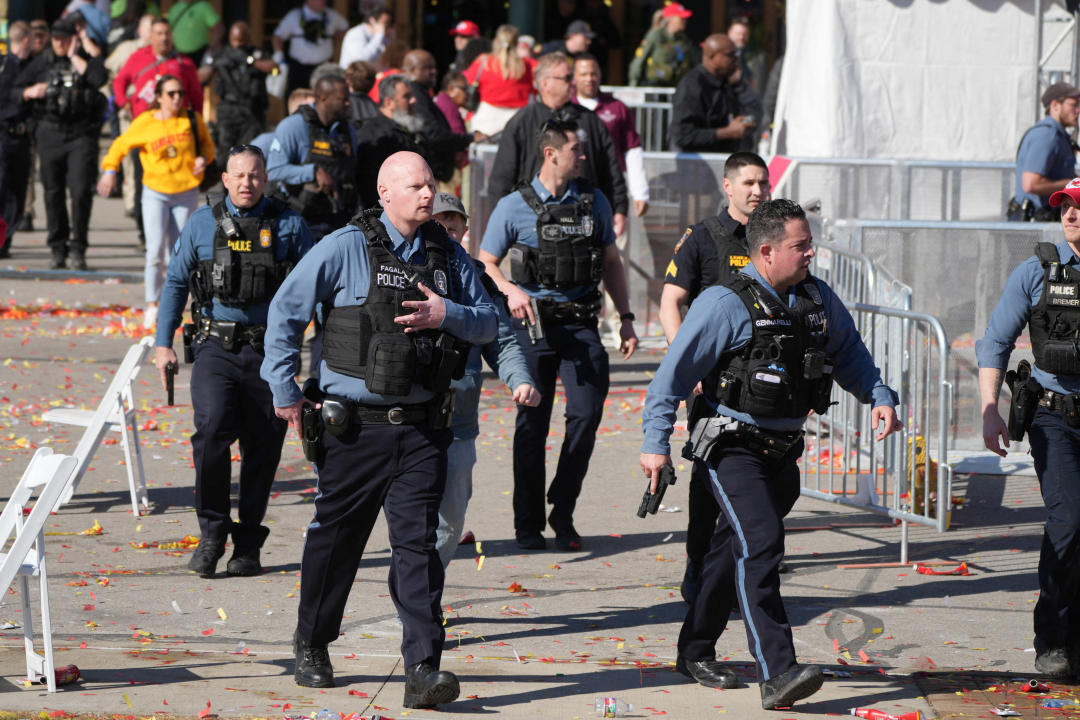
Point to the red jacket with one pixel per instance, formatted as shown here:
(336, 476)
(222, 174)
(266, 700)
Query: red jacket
(142, 71)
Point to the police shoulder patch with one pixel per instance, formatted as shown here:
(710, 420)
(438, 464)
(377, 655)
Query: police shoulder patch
(679, 244)
(441, 284)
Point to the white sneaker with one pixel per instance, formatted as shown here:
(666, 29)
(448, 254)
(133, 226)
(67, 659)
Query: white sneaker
(149, 320)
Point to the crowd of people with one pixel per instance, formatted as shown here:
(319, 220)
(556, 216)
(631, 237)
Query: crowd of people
(344, 225)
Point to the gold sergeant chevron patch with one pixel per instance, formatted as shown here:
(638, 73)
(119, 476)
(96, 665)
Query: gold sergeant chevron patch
(672, 268)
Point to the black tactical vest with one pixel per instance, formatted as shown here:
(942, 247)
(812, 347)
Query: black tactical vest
(732, 254)
(335, 156)
(243, 270)
(783, 371)
(237, 81)
(1055, 321)
(363, 341)
(569, 251)
(68, 97)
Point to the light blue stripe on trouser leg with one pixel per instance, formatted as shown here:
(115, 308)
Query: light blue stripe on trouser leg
(740, 573)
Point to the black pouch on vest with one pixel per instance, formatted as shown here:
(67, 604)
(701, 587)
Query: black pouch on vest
(1060, 357)
(387, 357)
(521, 267)
(728, 388)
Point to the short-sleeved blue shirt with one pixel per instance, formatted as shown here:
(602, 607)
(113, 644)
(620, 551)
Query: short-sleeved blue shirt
(513, 221)
(1046, 150)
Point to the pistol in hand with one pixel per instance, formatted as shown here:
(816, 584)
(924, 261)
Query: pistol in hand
(650, 501)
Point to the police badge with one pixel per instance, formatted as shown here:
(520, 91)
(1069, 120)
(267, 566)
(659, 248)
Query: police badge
(587, 226)
(441, 285)
(264, 237)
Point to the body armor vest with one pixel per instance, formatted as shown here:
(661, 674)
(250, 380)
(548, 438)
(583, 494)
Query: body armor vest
(238, 82)
(783, 371)
(363, 341)
(243, 270)
(569, 252)
(335, 156)
(68, 97)
(1055, 321)
(732, 254)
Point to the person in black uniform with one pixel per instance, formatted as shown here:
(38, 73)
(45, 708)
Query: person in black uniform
(233, 255)
(712, 109)
(766, 348)
(402, 305)
(68, 110)
(239, 72)
(394, 128)
(710, 253)
(14, 137)
(313, 158)
(517, 160)
(441, 145)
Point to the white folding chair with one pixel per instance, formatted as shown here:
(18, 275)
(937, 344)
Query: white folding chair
(47, 474)
(115, 412)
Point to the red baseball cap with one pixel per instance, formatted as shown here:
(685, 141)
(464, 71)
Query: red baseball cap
(1072, 190)
(676, 10)
(466, 28)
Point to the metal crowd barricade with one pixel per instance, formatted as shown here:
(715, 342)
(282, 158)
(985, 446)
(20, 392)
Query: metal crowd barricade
(651, 107)
(905, 477)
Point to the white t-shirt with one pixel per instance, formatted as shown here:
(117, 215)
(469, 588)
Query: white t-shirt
(302, 51)
(361, 43)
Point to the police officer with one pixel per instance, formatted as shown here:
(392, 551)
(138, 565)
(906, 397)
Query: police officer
(63, 84)
(558, 233)
(751, 436)
(233, 255)
(710, 253)
(384, 389)
(518, 160)
(14, 138)
(313, 157)
(1046, 158)
(239, 71)
(1041, 293)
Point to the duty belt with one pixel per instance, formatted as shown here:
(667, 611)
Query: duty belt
(393, 415)
(1052, 400)
(339, 414)
(231, 334)
(14, 129)
(1067, 405)
(586, 308)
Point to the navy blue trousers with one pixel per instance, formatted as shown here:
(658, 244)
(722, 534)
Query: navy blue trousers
(401, 470)
(754, 495)
(1055, 448)
(232, 402)
(702, 515)
(573, 353)
(14, 179)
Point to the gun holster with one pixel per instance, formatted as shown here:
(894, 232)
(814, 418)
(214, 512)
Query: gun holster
(311, 426)
(189, 336)
(705, 432)
(1026, 392)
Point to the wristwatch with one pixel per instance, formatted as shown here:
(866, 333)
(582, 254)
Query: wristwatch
(628, 316)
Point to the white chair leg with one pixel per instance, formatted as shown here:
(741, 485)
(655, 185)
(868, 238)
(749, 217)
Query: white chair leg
(138, 480)
(46, 624)
(125, 443)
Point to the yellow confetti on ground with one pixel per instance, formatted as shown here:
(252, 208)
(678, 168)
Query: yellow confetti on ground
(221, 614)
(479, 563)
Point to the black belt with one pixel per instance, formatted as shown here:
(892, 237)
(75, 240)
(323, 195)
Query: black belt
(231, 334)
(586, 308)
(392, 415)
(1067, 405)
(1052, 400)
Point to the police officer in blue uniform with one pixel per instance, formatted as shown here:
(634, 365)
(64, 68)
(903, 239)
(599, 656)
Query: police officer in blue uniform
(402, 303)
(14, 135)
(233, 255)
(710, 253)
(313, 158)
(559, 235)
(766, 347)
(1042, 294)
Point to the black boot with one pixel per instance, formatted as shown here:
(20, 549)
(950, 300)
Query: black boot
(427, 687)
(797, 683)
(247, 542)
(59, 260)
(313, 668)
(204, 560)
(78, 262)
(709, 673)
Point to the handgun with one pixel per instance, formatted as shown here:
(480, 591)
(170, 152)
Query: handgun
(170, 380)
(650, 501)
(536, 329)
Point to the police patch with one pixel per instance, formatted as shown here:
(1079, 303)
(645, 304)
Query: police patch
(672, 268)
(813, 292)
(681, 241)
(441, 286)
(265, 237)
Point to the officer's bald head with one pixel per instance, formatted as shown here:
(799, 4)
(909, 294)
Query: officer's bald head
(406, 190)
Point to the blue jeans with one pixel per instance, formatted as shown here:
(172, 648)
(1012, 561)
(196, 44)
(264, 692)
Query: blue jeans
(460, 458)
(1055, 448)
(164, 216)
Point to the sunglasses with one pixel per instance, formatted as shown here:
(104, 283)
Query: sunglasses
(250, 149)
(173, 93)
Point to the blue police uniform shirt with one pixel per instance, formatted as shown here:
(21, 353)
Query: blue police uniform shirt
(285, 163)
(337, 271)
(263, 142)
(292, 240)
(1012, 313)
(1046, 150)
(514, 221)
(505, 356)
(718, 322)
